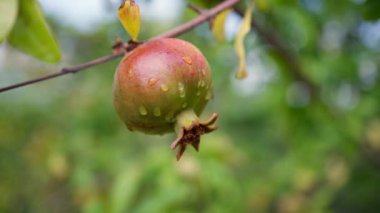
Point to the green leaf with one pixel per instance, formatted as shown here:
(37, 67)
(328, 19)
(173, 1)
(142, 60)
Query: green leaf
(8, 13)
(32, 35)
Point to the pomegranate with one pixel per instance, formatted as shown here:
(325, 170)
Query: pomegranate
(163, 86)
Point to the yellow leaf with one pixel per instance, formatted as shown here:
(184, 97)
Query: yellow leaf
(218, 25)
(129, 16)
(245, 27)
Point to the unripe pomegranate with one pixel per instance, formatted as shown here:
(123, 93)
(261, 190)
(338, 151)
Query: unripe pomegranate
(163, 86)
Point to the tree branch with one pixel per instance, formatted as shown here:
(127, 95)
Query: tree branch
(172, 33)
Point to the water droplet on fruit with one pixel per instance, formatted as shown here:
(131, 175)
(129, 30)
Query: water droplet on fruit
(182, 94)
(164, 87)
(152, 81)
(184, 105)
(181, 89)
(203, 72)
(199, 84)
(130, 74)
(169, 117)
(208, 95)
(207, 86)
(198, 93)
(202, 83)
(142, 111)
(187, 60)
(181, 86)
(157, 112)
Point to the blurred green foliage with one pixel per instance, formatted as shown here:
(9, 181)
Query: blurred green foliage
(279, 148)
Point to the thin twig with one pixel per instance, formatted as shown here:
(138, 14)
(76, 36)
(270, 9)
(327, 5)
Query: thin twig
(200, 19)
(201, 11)
(172, 33)
(64, 71)
(195, 8)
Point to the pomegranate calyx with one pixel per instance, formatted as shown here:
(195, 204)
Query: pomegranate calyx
(191, 134)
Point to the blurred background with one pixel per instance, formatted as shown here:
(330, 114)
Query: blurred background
(300, 134)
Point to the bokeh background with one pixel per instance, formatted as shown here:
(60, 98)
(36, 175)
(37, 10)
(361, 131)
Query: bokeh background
(300, 134)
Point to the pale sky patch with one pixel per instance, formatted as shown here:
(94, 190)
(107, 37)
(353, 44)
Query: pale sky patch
(85, 15)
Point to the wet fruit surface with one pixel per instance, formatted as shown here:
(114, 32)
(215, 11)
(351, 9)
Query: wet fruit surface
(159, 81)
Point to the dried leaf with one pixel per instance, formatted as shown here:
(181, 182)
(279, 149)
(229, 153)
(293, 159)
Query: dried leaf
(219, 25)
(245, 27)
(129, 16)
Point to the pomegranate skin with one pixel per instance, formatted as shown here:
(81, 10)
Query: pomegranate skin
(157, 81)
